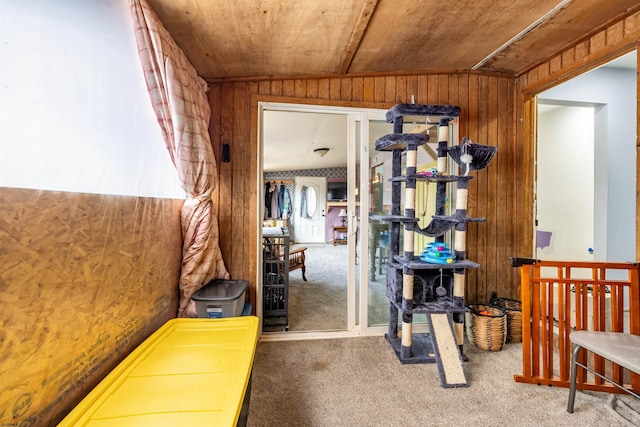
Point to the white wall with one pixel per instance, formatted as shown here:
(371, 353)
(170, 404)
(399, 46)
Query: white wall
(74, 110)
(613, 92)
(565, 195)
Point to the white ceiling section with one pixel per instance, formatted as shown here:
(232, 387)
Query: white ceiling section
(291, 137)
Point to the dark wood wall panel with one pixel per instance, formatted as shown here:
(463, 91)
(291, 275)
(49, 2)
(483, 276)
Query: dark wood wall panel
(601, 47)
(487, 117)
(84, 279)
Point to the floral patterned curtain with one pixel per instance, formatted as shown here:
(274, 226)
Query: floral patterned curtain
(179, 99)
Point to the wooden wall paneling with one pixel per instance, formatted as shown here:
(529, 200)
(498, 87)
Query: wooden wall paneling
(598, 41)
(510, 146)
(464, 104)
(480, 98)
(276, 87)
(504, 177)
(357, 89)
(468, 126)
(335, 87)
(555, 64)
(466, 100)
(323, 89)
(240, 203)
(453, 89)
(631, 27)
(542, 71)
(614, 34)
(401, 91)
(226, 171)
(312, 88)
(390, 89)
(518, 153)
(346, 89)
(488, 184)
(85, 278)
(264, 87)
(525, 164)
(599, 48)
(482, 191)
(432, 89)
(568, 57)
(494, 193)
(369, 92)
(422, 97)
(379, 89)
(300, 88)
(443, 96)
(412, 88)
(252, 195)
(581, 52)
(214, 95)
(288, 88)
(457, 95)
(508, 130)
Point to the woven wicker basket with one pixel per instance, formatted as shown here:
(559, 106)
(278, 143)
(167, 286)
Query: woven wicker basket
(513, 309)
(486, 331)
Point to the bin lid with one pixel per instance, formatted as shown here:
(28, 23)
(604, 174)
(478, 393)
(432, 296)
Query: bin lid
(221, 290)
(190, 372)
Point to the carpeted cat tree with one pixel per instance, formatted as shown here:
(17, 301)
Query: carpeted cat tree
(431, 283)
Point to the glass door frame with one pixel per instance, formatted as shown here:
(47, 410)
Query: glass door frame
(357, 223)
(365, 117)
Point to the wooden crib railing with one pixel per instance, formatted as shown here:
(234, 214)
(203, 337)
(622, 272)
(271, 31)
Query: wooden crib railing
(559, 297)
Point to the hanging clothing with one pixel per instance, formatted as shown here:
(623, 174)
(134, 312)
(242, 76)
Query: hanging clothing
(267, 200)
(281, 201)
(275, 207)
(286, 204)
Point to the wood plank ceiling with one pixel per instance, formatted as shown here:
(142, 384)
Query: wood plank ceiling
(227, 39)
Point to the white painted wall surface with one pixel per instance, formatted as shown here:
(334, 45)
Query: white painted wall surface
(612, 91)
(565, 183)
(74, 110)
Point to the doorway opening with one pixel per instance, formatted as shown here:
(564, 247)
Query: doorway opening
(345, 290)
(315, 152)
(586, 166)
(585, 184)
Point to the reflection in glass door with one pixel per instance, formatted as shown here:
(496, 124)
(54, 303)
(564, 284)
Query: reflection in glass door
(379, 195)
(379, 191)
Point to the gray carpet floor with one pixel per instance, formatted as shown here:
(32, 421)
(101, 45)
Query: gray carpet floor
(320, 303)
(360, 382)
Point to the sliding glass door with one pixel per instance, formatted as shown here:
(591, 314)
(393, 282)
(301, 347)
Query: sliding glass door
(350, 228)
(376, 173)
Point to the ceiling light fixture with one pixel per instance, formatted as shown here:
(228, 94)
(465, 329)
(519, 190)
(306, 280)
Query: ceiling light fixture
(321, 151)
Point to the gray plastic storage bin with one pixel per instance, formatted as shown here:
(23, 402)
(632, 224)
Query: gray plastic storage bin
(221, 298)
